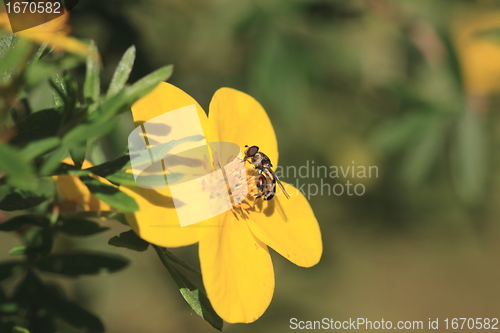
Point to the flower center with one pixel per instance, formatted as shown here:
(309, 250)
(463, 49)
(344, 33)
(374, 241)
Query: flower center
(235, 183)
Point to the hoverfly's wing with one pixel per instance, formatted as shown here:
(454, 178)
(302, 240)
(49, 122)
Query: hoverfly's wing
(280, 184)
(283, 188)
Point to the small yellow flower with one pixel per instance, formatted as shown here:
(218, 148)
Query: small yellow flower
(54, 33)
(75, 194)
(479, 55)
(233, 246)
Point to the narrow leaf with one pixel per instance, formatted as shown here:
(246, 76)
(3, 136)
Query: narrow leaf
(20, 200)
(15, 54)
(18, 250)
(127, 179)
(77, 154)
(122, 72)
(129, 240)
(43, 70)
(18, 221)
(59, 92)
(75, 315)
(84, 263)
(83, 132)
(470, 152)
(36, 126)
(129, 95)
(110, 167)
(91, 87)
(79, 227)
(424, 153)
(40, 147)
(17, 168)
(149, 82)
(195, 297)
(110, 195)
(53, 161)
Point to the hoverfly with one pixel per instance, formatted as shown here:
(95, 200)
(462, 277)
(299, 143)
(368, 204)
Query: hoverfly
(266, 183)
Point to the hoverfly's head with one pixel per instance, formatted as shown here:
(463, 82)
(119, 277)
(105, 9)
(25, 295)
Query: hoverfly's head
(251, 151)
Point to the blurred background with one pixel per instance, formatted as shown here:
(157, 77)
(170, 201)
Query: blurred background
(410, 87)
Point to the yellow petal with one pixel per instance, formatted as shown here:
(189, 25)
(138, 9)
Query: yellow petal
(52, 32)
(478, 54)
(156, 220)
(74, 191)
(289, 227)
(238, 118)
(164, 98)
(59, 42)
(237, 270)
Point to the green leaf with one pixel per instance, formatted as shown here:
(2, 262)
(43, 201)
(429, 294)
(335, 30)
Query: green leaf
(78, 153)
(39, 53)
(18, 250)
(64, 169)
(172, 257)
(7, 307)
(127, 179)
(129, 240)
(195, 297)
(9, 268)
(108, 168)
(15, 53)
(470, 158)
(122, 72)
(53, 161)
(37, 126)
(18, 221)
(20, 200)
(60, 91)
(453, 60)
(424, 153)
(83, 132)
(49, 298)
(83, 263)
(7, 41)
(39, 240)
(110, 195)
(110, 215)
(40, 147)
(149, 82)
(43, 70)
(396, 135)
(129, 95)
(76, 316)
(17, 168)
(79, 227)
(19, 329)
(91, 88)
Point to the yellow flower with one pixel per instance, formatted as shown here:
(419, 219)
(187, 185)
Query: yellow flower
(236, 266)
(74, 193)
(479, 55)
(54, 33)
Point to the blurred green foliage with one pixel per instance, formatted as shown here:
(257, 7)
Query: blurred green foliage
(33, 151)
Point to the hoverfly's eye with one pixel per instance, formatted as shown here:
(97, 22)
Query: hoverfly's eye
(252, 151)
